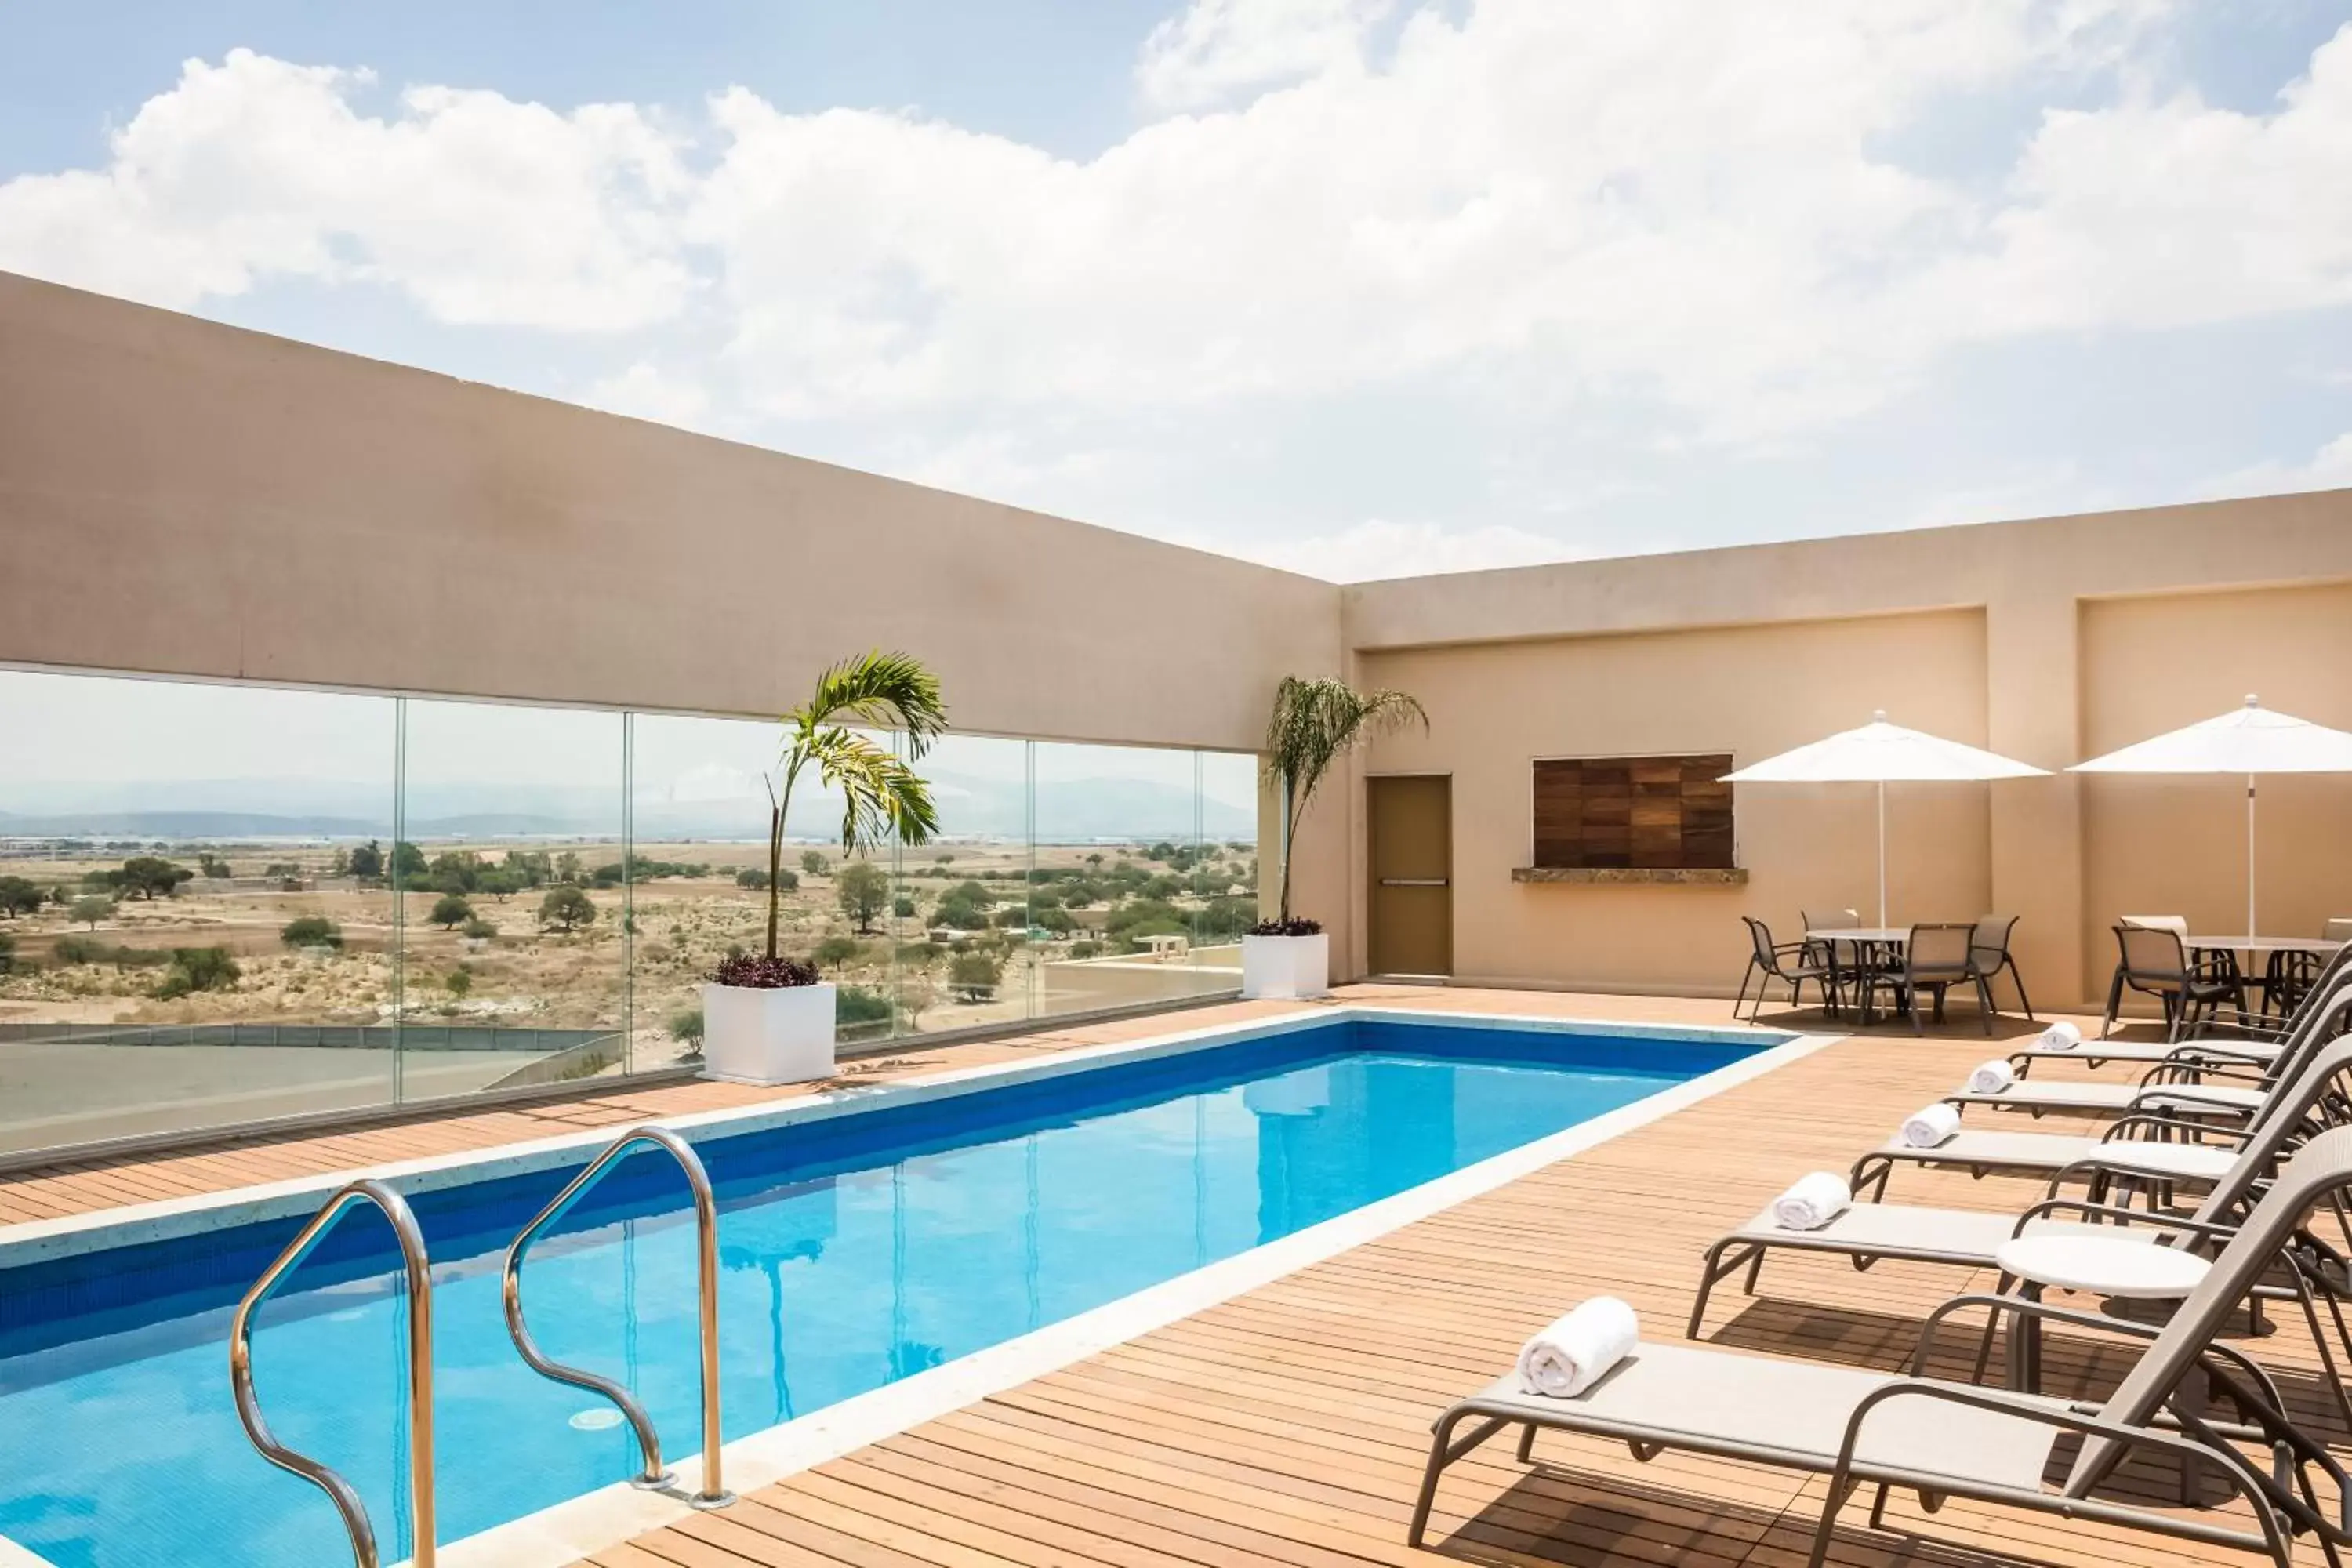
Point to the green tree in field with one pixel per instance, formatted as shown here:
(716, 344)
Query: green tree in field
(903, 907)
(215, 867)
(480, 929)
(500, 883)
(19, 897)
(310, 931)
(567, 868)
(366, 861)
(567, 908)
(458, 871)
(89, 909)
(863, 892)
(835, 951)
(408, 864)
(974, 976)
(148, 876)
(198, 969)
(458, 982)
(450, 911)
(813, 864)
(686, 1028)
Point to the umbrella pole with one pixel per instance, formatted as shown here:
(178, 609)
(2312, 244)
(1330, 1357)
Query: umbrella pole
(2250, 862)
(1881, 853)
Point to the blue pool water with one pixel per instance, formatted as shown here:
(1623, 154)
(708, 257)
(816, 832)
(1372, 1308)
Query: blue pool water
(855, 1251)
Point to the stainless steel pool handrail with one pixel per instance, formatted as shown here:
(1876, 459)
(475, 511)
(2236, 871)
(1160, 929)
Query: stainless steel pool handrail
(713, 1494)
(419, 1271)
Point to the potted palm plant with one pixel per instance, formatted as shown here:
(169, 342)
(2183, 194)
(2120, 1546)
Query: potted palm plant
(768, 1018)
(1314, 724)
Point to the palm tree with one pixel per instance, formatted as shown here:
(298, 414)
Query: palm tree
(1314, 724)
(883, 798)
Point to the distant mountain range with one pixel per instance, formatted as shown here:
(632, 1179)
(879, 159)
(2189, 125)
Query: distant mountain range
(1066, 811)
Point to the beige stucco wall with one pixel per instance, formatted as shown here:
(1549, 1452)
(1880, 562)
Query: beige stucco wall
(2178, 846)
(184, 498)
(1748, 691)
(2228, 591)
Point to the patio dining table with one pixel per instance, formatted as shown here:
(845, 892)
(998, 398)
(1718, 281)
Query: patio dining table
(1873, 945)
(2252, 947)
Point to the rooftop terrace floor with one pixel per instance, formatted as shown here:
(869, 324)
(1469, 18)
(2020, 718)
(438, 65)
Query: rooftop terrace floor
(1288, 1426)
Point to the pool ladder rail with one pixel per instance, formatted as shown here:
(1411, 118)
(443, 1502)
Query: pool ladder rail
(417, 1267)
(714, 1493)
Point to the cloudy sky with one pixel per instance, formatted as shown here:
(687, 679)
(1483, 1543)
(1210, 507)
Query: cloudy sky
(1358, 287)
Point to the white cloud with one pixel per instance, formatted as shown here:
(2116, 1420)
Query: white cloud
(1677, 206)
(2328, 469)
(483, 210)
(1377, 548)
(1213, 48)
(647, 391)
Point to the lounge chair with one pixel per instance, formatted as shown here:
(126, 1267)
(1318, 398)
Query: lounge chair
(1968, 1238)
(1944, 1439)
(2255, 1037)
(2158, 1145)
(2186, 1085)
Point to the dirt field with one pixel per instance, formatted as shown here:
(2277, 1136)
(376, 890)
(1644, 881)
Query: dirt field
(633, 964)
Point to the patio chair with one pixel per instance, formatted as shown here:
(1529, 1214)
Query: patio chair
(1944, 1438)
(1790, 963)
(1989, 956)
(1970, 1238)
(2154, 960)
(2157, 1148)
(1841, 958)
(1938, 959)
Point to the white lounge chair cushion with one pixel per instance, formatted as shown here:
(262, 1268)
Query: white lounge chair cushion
(2048, 1150)
(1717, 1401)
(2119, 1096)
(1931, 1235)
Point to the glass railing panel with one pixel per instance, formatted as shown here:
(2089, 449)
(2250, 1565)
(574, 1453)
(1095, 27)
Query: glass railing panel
(959, 917)
(1118, 878)
(700, 812)
(511, 870)
(192, 934)
(1224, 875)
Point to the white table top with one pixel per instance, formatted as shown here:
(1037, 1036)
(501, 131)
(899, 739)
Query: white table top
(2322, 945)
(2138, 1271)
(1900, 935)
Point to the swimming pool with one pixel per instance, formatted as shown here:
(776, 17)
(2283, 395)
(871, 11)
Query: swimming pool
(859, 1247)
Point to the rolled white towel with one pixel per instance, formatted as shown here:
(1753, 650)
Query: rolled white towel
(2060, 1036)
(1930, 1125)
(1812, 1203)
(1575, 1351)
(1991, 1077)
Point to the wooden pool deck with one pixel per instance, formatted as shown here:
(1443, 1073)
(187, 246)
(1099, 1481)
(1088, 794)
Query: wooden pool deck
(1288, 1426)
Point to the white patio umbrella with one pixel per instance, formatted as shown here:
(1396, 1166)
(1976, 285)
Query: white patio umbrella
(1882, 754)
(2252, 739)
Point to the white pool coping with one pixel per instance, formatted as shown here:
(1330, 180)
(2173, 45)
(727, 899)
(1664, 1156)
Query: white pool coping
(559, 1535)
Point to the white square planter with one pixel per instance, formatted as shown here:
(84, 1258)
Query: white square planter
(768, 1035)
(1281, 967)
